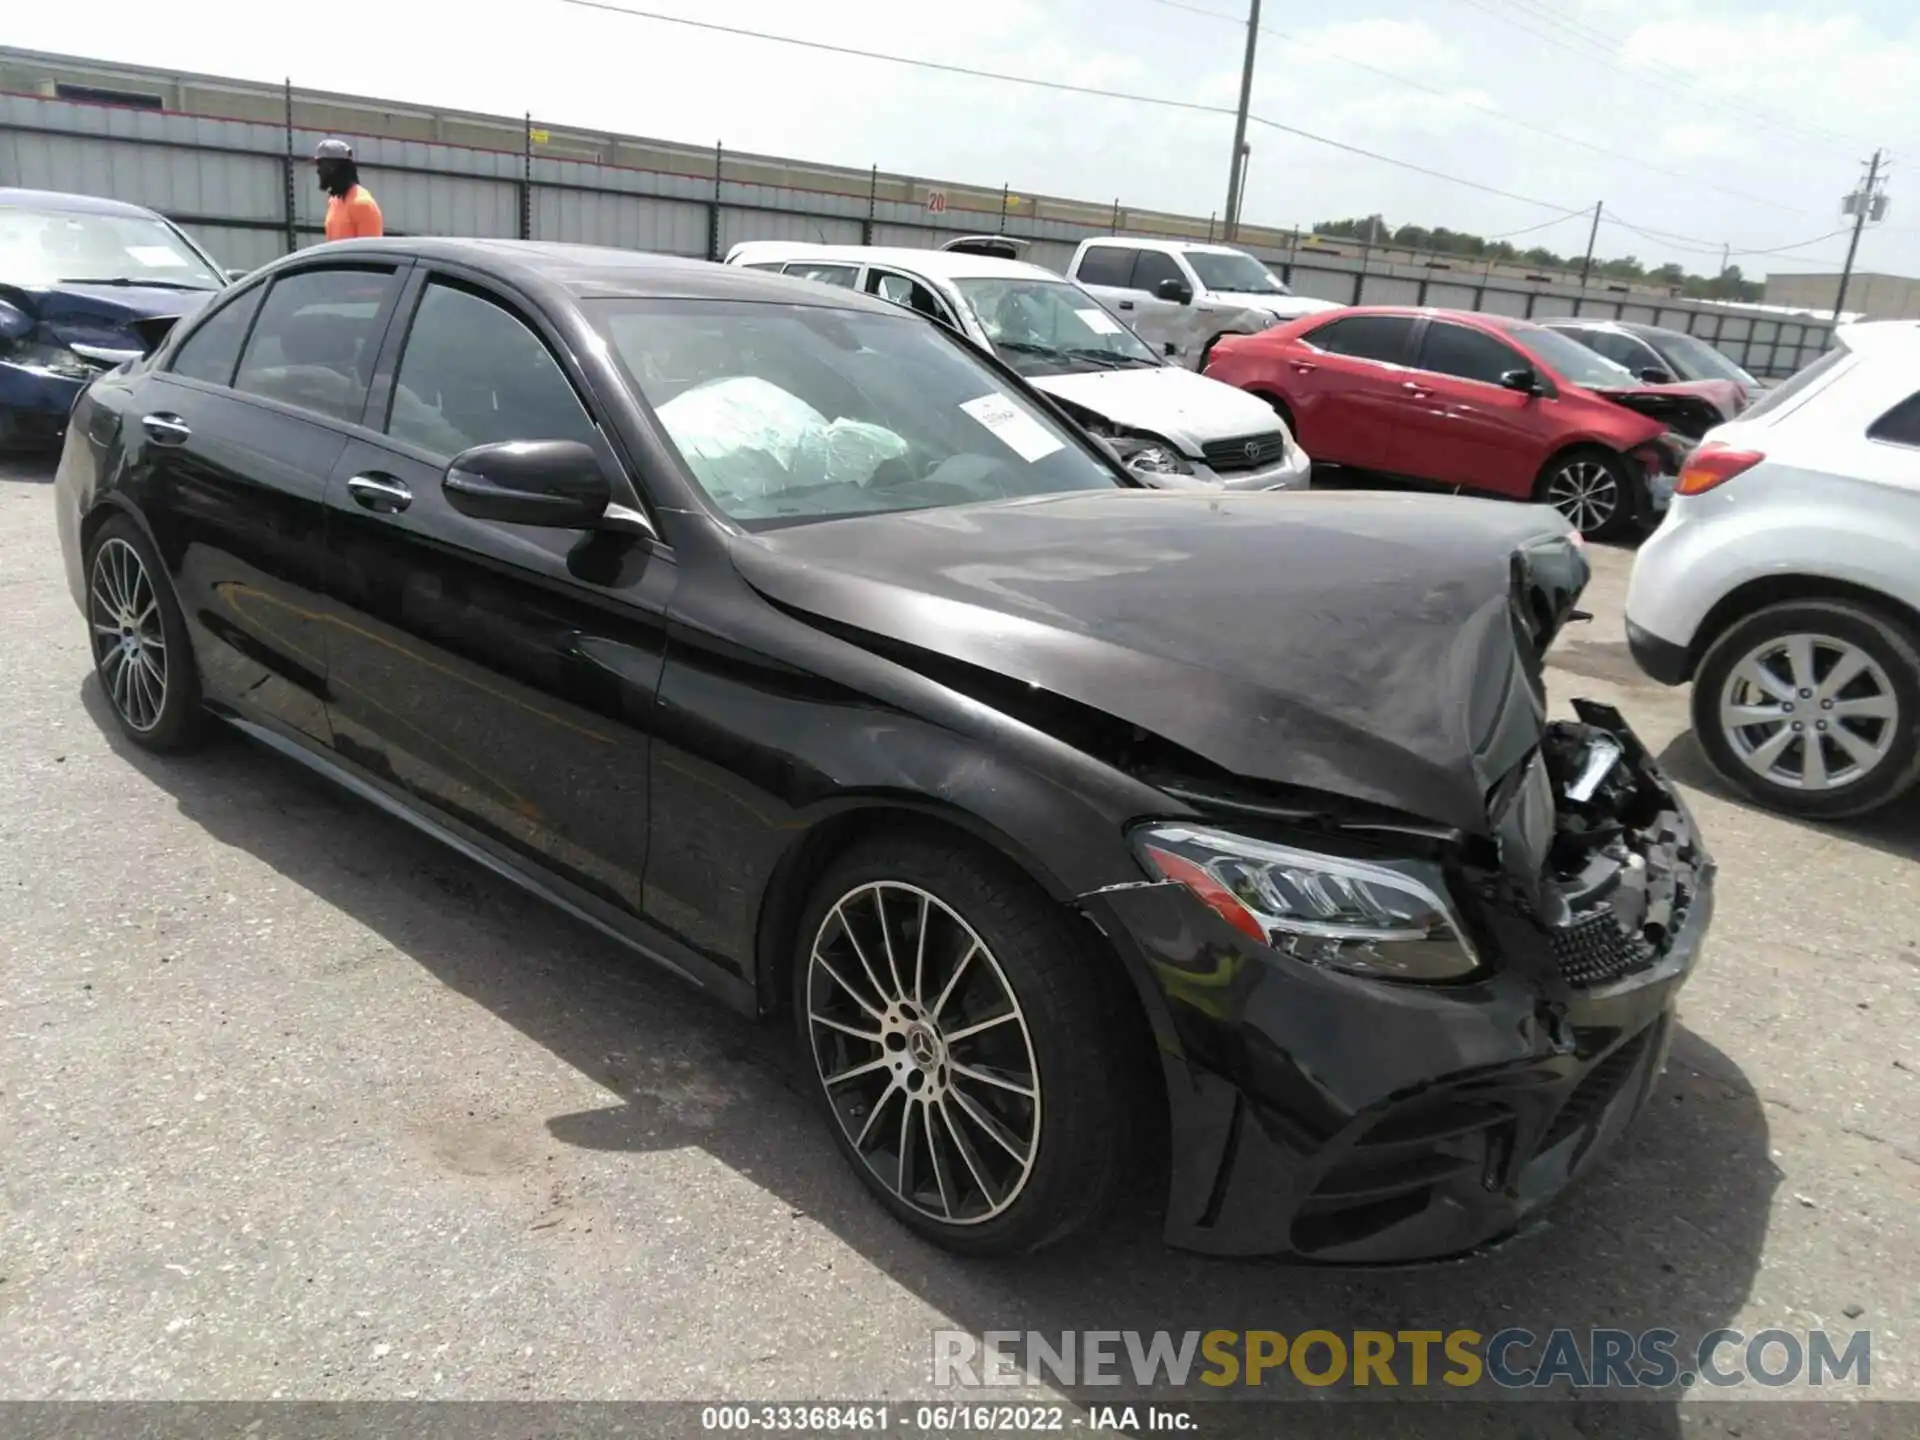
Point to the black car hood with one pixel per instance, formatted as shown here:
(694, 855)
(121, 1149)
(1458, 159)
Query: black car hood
(111, 317)
(1383, 648)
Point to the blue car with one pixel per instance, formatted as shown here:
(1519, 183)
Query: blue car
(85, 285)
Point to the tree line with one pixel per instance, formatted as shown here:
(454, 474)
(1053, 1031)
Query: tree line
(1729, 284)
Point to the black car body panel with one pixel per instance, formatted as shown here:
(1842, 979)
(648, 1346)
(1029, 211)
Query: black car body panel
(668, 727)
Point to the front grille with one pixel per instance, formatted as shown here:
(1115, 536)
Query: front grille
(1593, 1094)
(1595, 949)
(1246, 452)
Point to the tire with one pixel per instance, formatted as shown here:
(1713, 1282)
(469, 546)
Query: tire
(1868, 756)
(146, 666)
(1066, 1149)
(1206, 351)
(1597, 490)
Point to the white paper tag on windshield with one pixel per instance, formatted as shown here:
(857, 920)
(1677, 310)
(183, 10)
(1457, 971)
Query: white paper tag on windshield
(1020, 432)
(1099, 322)
(156, 256)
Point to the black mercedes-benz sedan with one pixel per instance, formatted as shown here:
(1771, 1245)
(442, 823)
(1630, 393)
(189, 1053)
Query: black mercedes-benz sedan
(1075, 828)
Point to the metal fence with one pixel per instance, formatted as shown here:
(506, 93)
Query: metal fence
(242, 188)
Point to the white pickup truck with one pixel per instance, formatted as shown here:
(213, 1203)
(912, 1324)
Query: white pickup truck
(1180, 295)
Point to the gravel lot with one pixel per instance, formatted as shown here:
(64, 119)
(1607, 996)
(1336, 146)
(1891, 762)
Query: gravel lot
(295, 1104)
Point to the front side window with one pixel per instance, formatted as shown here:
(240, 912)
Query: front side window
(1622, 349)
(472, 373)
(1365, 337)
(1467, 353)
(1050, 326)
(68, 247)
(790, 413)
(213, 349)
(823, 273)
(1231, 270)
(1152, 267)
(1570, 360)
(901, 289)
(316, 338)
(1106, 265)
(1694, 359)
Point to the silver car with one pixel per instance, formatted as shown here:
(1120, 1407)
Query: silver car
(1171, 427)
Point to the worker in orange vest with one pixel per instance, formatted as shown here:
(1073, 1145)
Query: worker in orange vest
(351, 209)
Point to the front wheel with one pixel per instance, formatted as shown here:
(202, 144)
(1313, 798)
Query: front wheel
(1813, 707)
(1597, 490)
(965, 1046)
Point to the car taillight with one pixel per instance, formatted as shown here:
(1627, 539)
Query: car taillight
(1713, 465)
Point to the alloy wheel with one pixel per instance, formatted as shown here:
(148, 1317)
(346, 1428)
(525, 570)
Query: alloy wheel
(1809, 712)
(1585, 491)
(129, 645)
(924, 1052)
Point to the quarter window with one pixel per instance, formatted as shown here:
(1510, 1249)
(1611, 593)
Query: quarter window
(841, 275)
(213, 349)
(315, 341)
(472, 373)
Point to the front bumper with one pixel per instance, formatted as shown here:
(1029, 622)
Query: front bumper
(1334, 1119)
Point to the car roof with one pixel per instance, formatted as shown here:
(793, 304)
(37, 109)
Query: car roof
(15, 199)
(1483, 318)
(601, 272)
(1139, 242)
(943, 264)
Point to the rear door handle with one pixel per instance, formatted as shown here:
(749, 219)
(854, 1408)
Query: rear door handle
(380, 493)
(1303, 367)
(165, 429)
(1419, 392)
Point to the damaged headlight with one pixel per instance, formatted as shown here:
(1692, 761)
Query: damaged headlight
(1386, 920)
(1150, 457)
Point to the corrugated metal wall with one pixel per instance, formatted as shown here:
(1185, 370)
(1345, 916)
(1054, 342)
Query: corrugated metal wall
(228, 181)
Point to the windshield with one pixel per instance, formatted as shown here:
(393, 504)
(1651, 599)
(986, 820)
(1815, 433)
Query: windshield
(1230, 270)
(1051, 325)
(1696, 360)
(786, 413)
(46, 247)
(1570, 360)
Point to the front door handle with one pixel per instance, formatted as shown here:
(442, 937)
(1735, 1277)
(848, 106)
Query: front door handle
(380, 493)
(1419, 392)
(1126, 305)
(165, 429)
(1303, 367)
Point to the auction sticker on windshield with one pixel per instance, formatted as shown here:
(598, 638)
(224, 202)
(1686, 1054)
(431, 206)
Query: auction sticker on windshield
(1019, 431)
(1099, 322)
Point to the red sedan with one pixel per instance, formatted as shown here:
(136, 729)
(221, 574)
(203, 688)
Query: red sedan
(1473, 402)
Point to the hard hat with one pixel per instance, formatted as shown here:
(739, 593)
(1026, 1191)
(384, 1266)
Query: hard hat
(333, 150)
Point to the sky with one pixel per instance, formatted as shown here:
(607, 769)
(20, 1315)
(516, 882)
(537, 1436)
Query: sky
(1697, 123)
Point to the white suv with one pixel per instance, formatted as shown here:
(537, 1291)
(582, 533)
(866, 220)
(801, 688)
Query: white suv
(1180, 296)
(1785, 583)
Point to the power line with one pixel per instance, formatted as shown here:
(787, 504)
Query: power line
(1166, 102)
(1488, 110)
(1589, 51)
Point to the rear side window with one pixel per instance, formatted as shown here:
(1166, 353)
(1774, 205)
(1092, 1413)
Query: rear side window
(904, 290)
(315, 341)
(1466, 353)
(1900, 425)
(1802, 383)
(213, 349)
(1106, 265)
(841, 275)
(1365, 337)
(472, 373)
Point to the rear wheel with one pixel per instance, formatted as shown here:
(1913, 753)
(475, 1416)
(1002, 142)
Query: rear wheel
(141, 650)
(1598, 491)
(1813, 707)
(964, 1044)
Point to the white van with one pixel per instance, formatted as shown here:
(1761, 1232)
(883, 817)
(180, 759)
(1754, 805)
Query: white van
(1170, 426)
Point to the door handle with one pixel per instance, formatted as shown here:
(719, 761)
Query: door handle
(380, 493)
(1419, 392)
(1303, 367)
(1126, 305)
(165, 429)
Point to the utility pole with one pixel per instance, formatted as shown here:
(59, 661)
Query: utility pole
(1593, 234)
(1231, 225)
(1864, 200)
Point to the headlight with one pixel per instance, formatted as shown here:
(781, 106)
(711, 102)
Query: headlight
(1152, 457)
(55, 359)
(1389, 920)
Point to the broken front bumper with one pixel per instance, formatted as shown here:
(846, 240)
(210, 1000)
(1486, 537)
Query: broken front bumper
(1333, 1118)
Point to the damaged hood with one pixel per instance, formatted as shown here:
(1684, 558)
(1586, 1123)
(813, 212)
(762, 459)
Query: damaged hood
(1383, 648)
(1177, 405)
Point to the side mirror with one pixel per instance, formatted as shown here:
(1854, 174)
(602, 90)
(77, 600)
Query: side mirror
(1525, 381)
(556, 483)
(15, 323)
(1174, 289)
(1654, 375)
